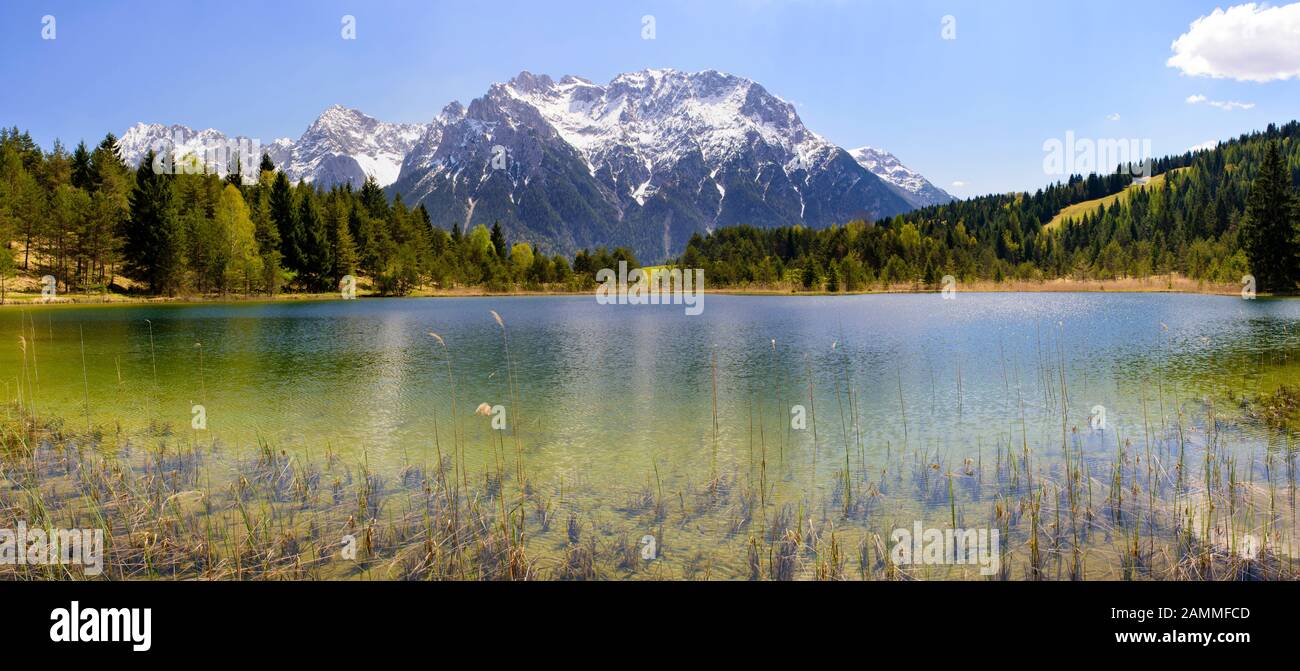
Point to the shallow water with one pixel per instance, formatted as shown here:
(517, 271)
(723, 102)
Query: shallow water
(608, 394)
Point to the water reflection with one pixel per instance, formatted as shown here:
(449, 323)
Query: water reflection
(608, 392)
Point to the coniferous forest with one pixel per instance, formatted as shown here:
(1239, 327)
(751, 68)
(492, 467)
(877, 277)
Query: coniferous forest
(1215, 215)
(98, 225)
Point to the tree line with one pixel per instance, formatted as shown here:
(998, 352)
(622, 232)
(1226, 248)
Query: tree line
(1214, 215)
(96, 224)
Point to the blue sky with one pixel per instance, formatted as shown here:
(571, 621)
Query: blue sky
(974, 110)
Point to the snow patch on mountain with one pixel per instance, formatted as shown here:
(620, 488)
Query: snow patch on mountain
(345, 146)
(916, 189)
(341, 146)
(663, 115)
(646, 160)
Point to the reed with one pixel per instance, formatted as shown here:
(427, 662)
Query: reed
(1197, 509)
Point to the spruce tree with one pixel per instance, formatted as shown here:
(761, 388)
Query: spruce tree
(106, 155)
(810, 273)
(365, 240)
(234, 174)
(153, 246)
(318, 262)
(343, 248)
(498, 240)
(287, 224)
(1269, 233)
(372, 198)
(81, 173)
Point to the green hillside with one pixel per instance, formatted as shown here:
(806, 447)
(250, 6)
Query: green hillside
(1077, 211)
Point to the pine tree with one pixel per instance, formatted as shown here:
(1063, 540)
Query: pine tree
(562, 270)
(810, 273)
(28, 152)
(7, 265)
(318, 261)
(153, 246)
(21, 197)
(498, 240)
(267, 165)
(1269, 233)
(62, 222)
(266, 233)
(287, 224)
(81, 174)
(343, 249)
(365, 240)
(105, 156)
(372, 198)
(426, 232)
(110, 210)
(235, 174)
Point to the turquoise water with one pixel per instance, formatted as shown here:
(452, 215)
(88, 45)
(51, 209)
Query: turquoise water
(607, 395)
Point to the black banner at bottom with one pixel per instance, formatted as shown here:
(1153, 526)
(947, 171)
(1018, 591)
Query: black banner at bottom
(166, 622)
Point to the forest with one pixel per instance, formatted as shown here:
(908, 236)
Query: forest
(1213, 215)
(97, 225)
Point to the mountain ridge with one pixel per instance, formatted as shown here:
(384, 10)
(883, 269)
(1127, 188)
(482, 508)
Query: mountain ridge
(646, 161)
(911, 185)
(342, 145)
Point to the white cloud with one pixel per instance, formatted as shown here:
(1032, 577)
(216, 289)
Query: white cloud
(1250, 42)
(1208, 144)
(958, 184)
(1227, 105)
(1113, 117)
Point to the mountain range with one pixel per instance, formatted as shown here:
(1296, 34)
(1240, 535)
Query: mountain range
(644, 161)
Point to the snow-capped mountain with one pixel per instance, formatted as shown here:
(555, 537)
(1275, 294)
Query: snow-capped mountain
(646, 161)
(346, 146)
(909, 184)
(203, 145)
(341, 146)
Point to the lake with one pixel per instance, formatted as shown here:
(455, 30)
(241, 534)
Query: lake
(781, 397)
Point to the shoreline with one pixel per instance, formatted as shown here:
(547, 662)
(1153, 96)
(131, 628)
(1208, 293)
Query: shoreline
(1177, 285)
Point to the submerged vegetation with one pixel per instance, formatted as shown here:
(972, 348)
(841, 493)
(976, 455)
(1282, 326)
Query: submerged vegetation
(1171, 501)
(1280, 408)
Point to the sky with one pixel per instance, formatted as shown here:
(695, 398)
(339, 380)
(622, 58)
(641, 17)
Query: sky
(967, 93)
